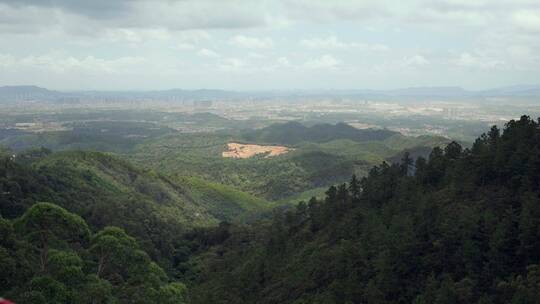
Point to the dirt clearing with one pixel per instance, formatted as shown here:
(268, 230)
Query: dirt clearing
(237, 150)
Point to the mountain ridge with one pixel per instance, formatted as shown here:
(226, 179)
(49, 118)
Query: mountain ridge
(30, 91)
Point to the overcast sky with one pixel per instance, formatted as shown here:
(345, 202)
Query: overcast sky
(278, 44)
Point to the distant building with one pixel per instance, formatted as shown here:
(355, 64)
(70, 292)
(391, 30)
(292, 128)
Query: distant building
(202, 104)
(450, 112)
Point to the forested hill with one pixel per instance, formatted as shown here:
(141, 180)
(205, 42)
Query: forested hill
(109, 231)
(106, 190)
(295, 132)
(463, 228)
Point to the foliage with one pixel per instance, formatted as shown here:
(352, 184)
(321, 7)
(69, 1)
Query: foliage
(294, 132)
(56, 263)
(107, 191)
(311, 165)
(459, 227)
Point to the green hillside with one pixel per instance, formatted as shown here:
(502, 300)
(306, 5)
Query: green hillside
(462, 227)
(223, 202)
(310, 165)
(323, 154)
(187, 200)
(294, 132)
(106, 175)
(270, 178)
(106, 190)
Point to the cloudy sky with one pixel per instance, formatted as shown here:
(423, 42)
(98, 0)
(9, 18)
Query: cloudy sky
(269, 44)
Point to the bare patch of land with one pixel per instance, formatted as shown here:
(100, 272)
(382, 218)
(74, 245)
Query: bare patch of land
(238, 150)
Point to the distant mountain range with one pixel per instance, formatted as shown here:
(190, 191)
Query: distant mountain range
(37, 94)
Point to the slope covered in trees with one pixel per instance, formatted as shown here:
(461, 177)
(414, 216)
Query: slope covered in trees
(105, 190)
(295, 132)
(460, 227)
(310, 165)
(49, 255)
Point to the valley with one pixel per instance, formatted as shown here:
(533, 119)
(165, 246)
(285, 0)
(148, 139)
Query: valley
(221, 194)
(274, 162)
(269, 152)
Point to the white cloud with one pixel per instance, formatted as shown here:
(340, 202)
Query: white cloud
(194, 14)
(136, 36)
(193, 36)
(416, 60)
(232, 64)
(283, 61)
(502, 41)
(327, 11)
(256, 55)
(324, 43)
(185, 46)
(476, 61)
(377, 47)
(208, 53)
(7, 60)
(252, 42)
(58, 64)
(323, 62)
(189, 40)
(527, 19)
(332, 43)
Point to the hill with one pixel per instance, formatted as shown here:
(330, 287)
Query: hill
(14, 94)
(294, 133)
(29, 92)
(106, 190)
(310, 165)
(269, 178)
(462, 227)
(223, 202)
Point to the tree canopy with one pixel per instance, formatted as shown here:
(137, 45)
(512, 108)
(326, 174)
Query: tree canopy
(462, 226)
(49, 255)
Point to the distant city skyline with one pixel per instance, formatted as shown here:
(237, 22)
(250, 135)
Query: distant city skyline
(268, 45)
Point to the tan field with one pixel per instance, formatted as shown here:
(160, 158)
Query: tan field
(237, 150)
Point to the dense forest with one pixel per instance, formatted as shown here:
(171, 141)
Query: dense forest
(95, 200)
(460, 226)
(49, 255)
(295, 132)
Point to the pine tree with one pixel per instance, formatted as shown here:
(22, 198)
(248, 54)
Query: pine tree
(354, 188)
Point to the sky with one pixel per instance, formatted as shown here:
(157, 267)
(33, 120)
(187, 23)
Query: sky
(267, 45)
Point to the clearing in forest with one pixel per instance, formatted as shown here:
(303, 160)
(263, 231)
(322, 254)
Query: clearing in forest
(237, 150)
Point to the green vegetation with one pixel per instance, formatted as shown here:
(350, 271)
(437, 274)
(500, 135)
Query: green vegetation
(223, 202)
(49, 255)
(117, 136)
(324, 154)
(270, 178)
(293, 133)
(311, 165)
(103, 130)
(105, 190)
(460, 227)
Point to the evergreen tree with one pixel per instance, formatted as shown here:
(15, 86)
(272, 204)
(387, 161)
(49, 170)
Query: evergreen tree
(354, 187)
